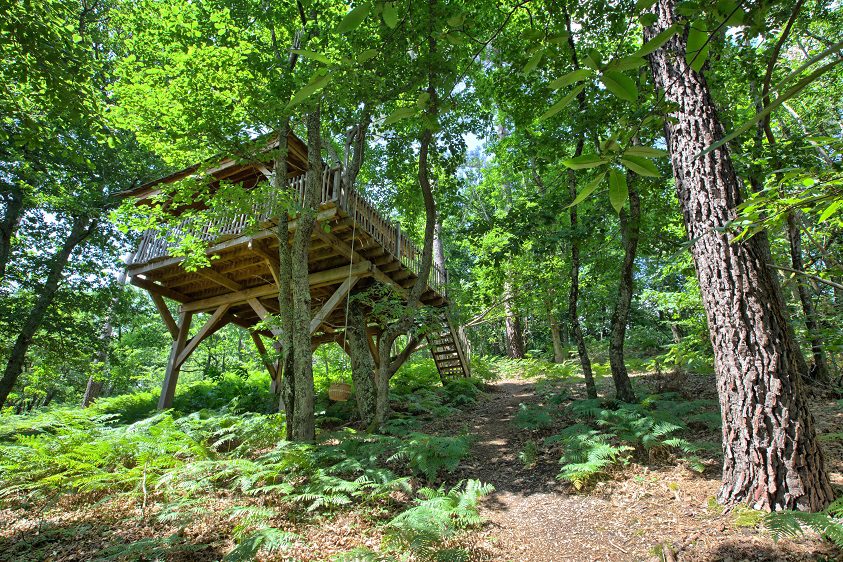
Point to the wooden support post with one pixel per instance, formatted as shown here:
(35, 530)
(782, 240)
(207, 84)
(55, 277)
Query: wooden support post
(273, 371)
(171, 377)
(374, 348)
(272, 261)
(333, 301)
(165, 314)
(213, 324)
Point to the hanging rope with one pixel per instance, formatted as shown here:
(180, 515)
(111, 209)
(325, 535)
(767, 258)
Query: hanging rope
(350, 264)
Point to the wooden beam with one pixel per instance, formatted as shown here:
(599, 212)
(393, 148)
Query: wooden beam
(374, 348)
(273, 373)
(171, 376)
(219, 279)
(353, 255)
(153, 287)
(140, 269)
(333, 301)
(318, 279)
(206, 330)
(272, 261)
(164, 312)
(262, 313)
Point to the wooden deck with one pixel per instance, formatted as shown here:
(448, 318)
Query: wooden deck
(352, 241)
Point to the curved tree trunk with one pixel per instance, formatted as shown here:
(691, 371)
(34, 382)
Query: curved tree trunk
(80, 229)
(772, 459)
(630, 231)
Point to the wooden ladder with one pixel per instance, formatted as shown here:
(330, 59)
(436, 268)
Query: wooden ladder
(446, 350)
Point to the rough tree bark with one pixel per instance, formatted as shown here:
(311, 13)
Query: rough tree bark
(303, 421)
(630, 231)
(81, 228)
(555, 336)
(362, 364)
(772, 459)
(285, 291)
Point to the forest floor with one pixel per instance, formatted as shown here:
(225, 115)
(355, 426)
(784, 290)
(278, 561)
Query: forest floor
(648, 513)
(655, 509)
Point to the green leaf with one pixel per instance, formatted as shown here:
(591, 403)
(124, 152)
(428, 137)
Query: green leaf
(618, 189)
(620, 84)
(584, 162)
(421, 101)
(593, 59)
(399, 114)
(587, 190)
(390, 15)
(367, 55)
(627, 63)
(570, 78)
(645, 152)
(318, 82)
(560, 39)
(698, 44)
(648, 19)
(642, 5)
(640, 166)
(313, 55)
(354, 18)
(534, 61)
(558, 106)
(830, 210)
(657, 41)
(456, 21)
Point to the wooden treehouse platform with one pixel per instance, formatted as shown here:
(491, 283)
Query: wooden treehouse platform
(352, 246)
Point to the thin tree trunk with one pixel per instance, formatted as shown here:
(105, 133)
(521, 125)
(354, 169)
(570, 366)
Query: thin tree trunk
(13, 203)
(558, 351)
(630, 232)
(80, 229)
(304, 427)
(512, 322)
(95, 384)
(285, 295)
(819, 370)
(574, 294)
(772, 459)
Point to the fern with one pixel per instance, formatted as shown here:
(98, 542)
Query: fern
(268, 540)
(791, 524)
(437, 515)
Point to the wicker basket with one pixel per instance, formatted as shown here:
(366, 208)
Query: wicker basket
(339, 391)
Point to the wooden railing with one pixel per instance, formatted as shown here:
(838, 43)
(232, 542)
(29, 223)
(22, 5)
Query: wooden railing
(156, 245)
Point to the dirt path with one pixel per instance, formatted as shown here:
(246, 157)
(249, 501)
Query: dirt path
(533, 517)
(530, 515)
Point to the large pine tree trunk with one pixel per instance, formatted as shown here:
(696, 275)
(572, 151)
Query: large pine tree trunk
(771, 456)
(80, 229)
(630, 230)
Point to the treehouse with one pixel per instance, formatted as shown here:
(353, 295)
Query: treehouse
(352, 247)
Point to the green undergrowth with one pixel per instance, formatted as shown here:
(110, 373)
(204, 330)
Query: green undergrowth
(604, 435)
(792, 524)
(172, 465)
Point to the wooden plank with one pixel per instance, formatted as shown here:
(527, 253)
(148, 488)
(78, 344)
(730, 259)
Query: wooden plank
(317, 279)
(210, 326)
(165, 314)
(171, 376)
(346, 251)
(140, 269)
(219, 279)
(333, 301)
(156, 288)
